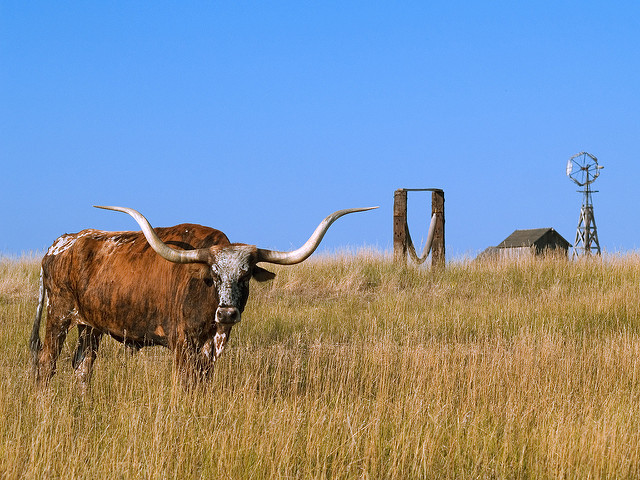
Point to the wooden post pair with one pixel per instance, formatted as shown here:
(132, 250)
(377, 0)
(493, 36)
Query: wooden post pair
(401, 236)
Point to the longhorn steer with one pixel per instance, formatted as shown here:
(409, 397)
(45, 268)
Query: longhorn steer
(183, 287)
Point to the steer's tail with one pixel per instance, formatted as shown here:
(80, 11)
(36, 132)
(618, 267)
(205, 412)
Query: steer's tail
(35, 342)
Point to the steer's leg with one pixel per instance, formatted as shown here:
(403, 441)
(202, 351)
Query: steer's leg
(206, 359)
(185, 368)
(211, 350)
(190, 365)
(86, 352)
(58, 322)
(183, 362)
(194, 361)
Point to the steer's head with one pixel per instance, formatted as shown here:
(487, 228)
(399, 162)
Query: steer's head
(232, 266)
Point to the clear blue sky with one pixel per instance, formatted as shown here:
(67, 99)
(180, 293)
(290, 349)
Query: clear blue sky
(260, 118)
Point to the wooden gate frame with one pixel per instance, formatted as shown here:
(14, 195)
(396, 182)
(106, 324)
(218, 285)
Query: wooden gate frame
(402, 239)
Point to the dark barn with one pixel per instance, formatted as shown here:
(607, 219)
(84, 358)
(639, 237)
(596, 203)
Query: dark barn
(528, 243)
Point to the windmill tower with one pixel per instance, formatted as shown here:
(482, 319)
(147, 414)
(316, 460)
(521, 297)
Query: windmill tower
(583, 169)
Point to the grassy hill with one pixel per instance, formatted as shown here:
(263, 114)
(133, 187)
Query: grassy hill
(349, 366)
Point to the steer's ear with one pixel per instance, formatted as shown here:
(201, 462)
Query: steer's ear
(262, 275)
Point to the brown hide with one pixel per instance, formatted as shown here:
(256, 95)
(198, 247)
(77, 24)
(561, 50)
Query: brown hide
(117, 284)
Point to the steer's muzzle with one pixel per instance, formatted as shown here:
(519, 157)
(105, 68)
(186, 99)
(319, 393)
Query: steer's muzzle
(227, 315)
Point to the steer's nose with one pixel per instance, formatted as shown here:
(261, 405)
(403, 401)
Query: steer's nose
(227, 315)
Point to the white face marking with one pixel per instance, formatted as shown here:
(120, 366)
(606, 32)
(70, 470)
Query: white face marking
(231, 271)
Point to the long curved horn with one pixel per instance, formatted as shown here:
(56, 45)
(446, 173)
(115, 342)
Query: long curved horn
(161, 248)
(302, 253)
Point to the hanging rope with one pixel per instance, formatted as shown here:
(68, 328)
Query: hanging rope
(427, 245)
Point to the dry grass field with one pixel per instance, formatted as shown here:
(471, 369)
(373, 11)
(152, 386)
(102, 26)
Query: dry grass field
(350, 367)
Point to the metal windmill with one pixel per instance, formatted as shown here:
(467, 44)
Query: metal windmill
(583, 169)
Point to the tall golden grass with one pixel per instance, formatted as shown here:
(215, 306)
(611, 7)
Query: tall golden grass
(348, 366)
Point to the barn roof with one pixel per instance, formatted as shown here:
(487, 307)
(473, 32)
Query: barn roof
(528, 238)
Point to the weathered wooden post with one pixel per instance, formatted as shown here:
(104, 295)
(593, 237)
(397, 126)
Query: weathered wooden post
(402, 243)
(437, 248)
(400, 226)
